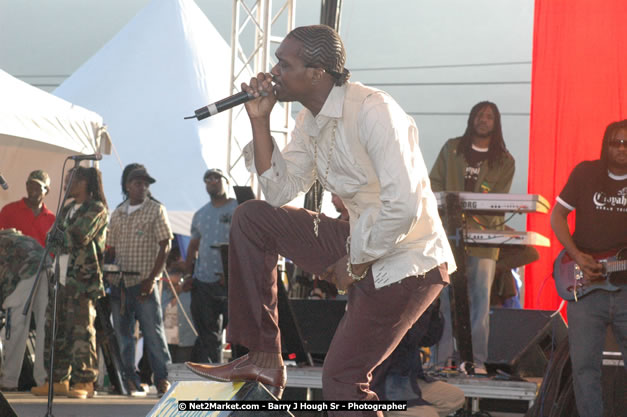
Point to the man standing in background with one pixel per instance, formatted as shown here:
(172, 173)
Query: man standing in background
(30, 215)
(210, 229)
(476, 162)
(139, 237)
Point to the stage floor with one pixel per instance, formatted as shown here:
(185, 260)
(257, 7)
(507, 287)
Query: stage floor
(102, 405)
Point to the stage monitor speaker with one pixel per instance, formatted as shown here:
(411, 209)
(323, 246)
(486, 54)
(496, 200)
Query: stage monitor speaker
(215, 391)
(521, 341)
(5, 408)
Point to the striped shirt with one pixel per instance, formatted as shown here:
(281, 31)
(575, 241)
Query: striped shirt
(136, 238)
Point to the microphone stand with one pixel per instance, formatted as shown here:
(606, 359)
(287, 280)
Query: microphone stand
(51, 241)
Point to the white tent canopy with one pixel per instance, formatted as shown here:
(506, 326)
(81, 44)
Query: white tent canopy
(38, 131)
(166, 62)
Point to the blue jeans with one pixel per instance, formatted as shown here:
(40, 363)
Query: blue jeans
(480, 273)
(588, 319)
(150, 318)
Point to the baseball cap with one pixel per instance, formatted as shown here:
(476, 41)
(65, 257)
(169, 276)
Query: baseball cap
(140, 173)
(214, 171)
(41, 177)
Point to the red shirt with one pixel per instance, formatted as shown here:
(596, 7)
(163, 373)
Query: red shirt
(21, 217)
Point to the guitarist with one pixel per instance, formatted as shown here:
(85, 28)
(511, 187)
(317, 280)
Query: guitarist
(597, 190)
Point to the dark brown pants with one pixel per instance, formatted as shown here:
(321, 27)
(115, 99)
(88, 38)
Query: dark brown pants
(375, 320)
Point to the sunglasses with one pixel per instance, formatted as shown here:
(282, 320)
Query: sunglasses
(212, 178)
(616, 143)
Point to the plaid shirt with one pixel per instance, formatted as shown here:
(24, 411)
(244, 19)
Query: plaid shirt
(136, 238)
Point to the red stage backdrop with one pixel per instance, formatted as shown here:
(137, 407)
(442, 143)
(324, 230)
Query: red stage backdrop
(579, 86)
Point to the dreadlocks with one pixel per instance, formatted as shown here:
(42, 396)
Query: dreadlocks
(323, 48)
(94, 182)
(497, 147)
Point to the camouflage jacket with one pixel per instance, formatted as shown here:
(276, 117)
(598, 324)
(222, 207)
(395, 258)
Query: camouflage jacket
(84, 240)
(19, 258)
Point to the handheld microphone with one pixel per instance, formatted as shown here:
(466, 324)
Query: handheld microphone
(219, 106)
(3, 183)
(92, 157)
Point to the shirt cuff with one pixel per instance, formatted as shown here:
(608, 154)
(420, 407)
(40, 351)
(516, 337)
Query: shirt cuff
(277, 169)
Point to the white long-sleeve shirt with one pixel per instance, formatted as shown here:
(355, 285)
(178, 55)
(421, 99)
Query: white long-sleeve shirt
(378, 171)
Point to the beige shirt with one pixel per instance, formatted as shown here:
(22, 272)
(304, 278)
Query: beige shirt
(377, 169)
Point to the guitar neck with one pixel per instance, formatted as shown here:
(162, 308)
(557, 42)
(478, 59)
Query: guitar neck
(616, 266)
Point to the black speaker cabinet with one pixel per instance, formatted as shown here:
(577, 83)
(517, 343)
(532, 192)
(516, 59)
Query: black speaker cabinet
(521, 341)
(318, 320)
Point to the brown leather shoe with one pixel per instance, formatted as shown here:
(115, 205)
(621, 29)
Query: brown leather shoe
(242, 369)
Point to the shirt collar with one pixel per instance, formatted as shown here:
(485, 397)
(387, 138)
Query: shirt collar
(616, 177)
(44, 209)
(332, 109)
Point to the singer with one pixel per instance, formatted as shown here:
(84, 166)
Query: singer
(392, 258)
(79, 251)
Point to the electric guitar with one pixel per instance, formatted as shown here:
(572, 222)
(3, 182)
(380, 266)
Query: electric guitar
(569, 280)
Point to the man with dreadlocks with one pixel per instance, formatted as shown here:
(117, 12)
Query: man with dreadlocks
(476, 162)
(79, 252)
(597, 191)
(391, 258)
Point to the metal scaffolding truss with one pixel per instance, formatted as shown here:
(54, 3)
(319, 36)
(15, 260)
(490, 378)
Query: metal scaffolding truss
(254, 30)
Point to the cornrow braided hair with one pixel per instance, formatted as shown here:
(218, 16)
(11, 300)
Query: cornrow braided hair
(323, 48)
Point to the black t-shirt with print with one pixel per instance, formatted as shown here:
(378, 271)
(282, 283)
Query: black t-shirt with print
(601, 207)
(473, 163)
